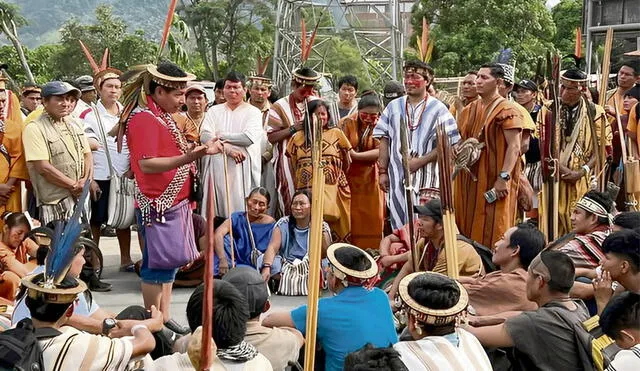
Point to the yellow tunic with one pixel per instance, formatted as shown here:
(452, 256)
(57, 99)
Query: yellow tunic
(15, 166)
(337, 195)
(575, 153)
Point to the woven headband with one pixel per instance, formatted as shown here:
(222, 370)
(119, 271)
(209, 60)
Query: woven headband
(588, 204)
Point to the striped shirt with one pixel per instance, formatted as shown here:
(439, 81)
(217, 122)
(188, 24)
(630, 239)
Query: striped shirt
(73, 348)
(585, 250)
(626, 360)
(422, 140)
(459, 351)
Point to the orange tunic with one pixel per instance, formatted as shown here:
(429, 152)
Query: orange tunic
(15, 166)
(367, 199)
(481, 221)
(14, 265)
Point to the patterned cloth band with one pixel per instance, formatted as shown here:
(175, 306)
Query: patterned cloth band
(420, 71)
(242, 352)
(260, 81)
(588, 204)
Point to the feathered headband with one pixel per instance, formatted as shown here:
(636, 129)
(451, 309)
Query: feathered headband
(63, 249)
(258, 78)
(306, 76)
(425, 44)
(136, 88)
(94, 66)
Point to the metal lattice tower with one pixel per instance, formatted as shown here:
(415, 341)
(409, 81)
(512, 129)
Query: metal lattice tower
(376, 27)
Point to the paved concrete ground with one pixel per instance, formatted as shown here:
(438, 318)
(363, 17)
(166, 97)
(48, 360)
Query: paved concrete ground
(126, 286)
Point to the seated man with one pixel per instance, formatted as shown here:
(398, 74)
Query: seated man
(395, 248)
(543, 339)
(621, 263)
(505, 290)
(353, 317)
(279, 345)
(431, 229)
(591, 225)
(67, 348)
(230, 316)
(620, 320)
(89, 317)
(434, 304)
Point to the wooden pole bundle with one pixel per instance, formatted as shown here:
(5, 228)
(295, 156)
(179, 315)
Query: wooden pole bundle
(631, 169)
(408, 193)
(604, 83)
(207, 303)
(446, 198)
(315, 243)
(550, 152)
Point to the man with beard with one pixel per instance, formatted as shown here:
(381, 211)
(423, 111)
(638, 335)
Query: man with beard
(420, 113)
(238, 124)
(163, 164)
(469, 94)
(285, 119)
(493, 126)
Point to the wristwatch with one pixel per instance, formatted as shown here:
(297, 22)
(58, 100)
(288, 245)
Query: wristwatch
(107, 325)
(504, 176)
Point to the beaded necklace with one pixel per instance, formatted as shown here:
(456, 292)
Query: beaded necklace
(410, 116)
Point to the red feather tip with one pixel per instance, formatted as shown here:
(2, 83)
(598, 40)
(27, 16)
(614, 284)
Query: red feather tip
(92, 62)
(578, 48)
(105, 60)
(167, 24)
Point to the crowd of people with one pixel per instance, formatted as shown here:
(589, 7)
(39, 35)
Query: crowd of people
(147, 150)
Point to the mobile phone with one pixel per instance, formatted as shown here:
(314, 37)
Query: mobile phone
(491, 196)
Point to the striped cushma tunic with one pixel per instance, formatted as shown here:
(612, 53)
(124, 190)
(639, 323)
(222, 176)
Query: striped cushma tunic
(458, 351)
(75, 350)
(422, 140)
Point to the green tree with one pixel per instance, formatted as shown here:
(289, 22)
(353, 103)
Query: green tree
(126, 49)
(230, 34)
(567, 15)
(10, 20)
(468, 33)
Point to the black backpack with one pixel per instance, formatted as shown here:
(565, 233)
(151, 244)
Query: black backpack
(19, 348)
(484, 252)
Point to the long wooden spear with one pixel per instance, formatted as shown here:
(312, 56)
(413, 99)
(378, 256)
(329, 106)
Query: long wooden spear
(408, 193)
(606, 65)
(207, 303)
(550, 146)
(228, 208)
(315, 241)
(446, 199)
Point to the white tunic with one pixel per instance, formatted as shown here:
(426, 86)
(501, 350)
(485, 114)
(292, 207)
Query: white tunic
(220, 121)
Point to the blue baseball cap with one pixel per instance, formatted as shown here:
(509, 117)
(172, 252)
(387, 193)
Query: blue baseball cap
(59, 88)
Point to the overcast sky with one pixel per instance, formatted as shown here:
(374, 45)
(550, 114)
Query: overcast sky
(551, 3)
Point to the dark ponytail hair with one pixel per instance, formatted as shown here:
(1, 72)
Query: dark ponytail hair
(311, 109)
(292, 220)
(261, 191)
(13, 220)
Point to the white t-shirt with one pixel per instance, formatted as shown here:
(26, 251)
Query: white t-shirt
(120, 161)
(626, 360)
(81, 306)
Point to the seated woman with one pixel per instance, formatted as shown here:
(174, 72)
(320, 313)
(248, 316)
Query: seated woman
(434, 304)
(290, 238)
(251, 233)
(15, 250)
